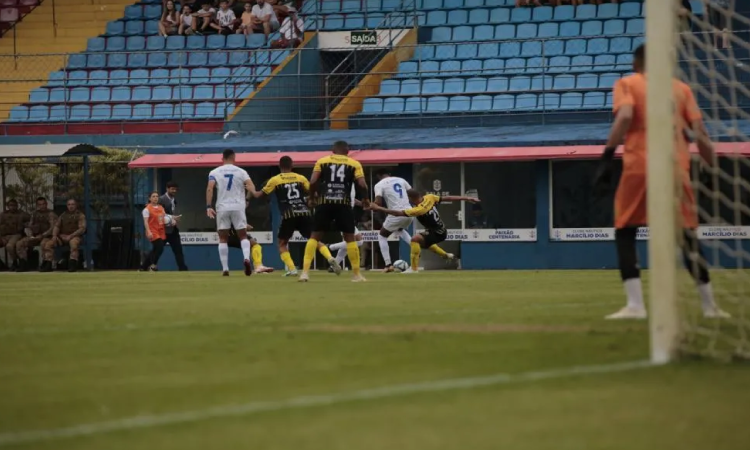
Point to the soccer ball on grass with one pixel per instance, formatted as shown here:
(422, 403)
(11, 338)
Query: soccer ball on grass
(400, 265)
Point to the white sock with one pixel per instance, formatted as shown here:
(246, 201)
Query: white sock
(245, 243)
(338, 246)
(405, 236)
(706, 293)
(341, 254)
(634, 292)
(224, 257)
(384, 249)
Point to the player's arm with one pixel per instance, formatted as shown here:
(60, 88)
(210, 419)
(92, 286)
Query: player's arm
(210, 212)
(379, 195)
(694, 119)
(392, 212)
(623, 109)
(146, 215)
(315, 178)
(81, 226)
(459, 198)
(361, 184)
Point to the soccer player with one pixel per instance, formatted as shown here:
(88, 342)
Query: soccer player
(291, 191)
(331, 184)
(256, 251)
(630, 199)
(340, 247)
(230, 182)
(391, 191)
(427, 214)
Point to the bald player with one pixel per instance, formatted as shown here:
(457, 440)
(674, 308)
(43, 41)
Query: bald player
(630, 199)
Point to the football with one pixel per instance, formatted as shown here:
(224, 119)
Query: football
(168, 220)
(400, 265)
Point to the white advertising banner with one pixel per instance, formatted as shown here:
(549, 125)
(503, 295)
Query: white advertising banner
(484, 235)
(608, 234)
(347, 40)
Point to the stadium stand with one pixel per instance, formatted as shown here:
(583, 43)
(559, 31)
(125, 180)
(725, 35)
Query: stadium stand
(13, 11)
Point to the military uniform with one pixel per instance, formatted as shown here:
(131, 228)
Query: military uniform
(11, 229)
(39, 229)
(68, 229)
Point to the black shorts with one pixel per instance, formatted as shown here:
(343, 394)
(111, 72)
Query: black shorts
(431, 238)
(334, 218)
(303, 224)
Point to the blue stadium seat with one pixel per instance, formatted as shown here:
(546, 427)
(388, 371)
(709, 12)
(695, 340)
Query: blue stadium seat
(242, 75)
(432, 86)
(205, 110)
(488, 50)
(186, 111)
(19, 114)
(553, 47)
(505, 31)
(498, 84)
(142, 111)
(624, 62)
(526, 101)
(115, 44)
(564, 12)
(80, 94)
(155, 43)
(453, 4)
(564, 82)
(151, 28)
(39, 95)
(607, 80)
(453, 86)
(96, 44)
(593, 100)
(238, 58)
(98, 77)
(466, 51)
(333, 22)
(604, 63)
(407, 68)
(479, 16)
(136, 60)
(57, 78)
(161, 93)
(437, 104)
(493, 66)
(463, 33)
(575, 47)
(219, 75)
(390, 87)
(515, 65)
(152, 12)
(436, 18)
(80, 113)
(163, 111)
(141, 93)
(225, 91)
(262, 72)
(543, 14)
(459, 103)
(133, 12)
(374, 20)
(38, 113)
(255, 41)
(58, 113)
(118, 77)
(510, 49)
(394, 105)
(101, 112)
(235, 41)
(542, 82)
(587, 81)
(471, 67)
(597, 46)
(77, 61)
(483, 33)
(160, 76)
(457, 17)
(196, 42)
(571, 100)
(503, 102)
(218, 59)
(637, 41)
(215, 41)
(548, 29)
(203, 92)
(549, 101)
(410, 87)
(78, 78)
(117, 60)
(607, 11)
(519, 84)
(115, 28)
(329, 6)
(350, 6)
(620, 45)
(135, 43)
(481, 103)
(424, 52)
(197, 59)
(450, 68)
(122, 112)
(614, 27)
(157, 59)
(100, 94)
(635, 26)
(581, 63)
(175, 42)
(526, 31)
(558, 64)
(134, 28)
(182, 93)
(500, 15)
(584, 12)
(445, 51)
(570, 29)
(354, 22)
(200, 75)
(140, 77)
(536, 64)
(520, 15)
(531, 48)
(476, 85)
(591, 27)
(630, 9)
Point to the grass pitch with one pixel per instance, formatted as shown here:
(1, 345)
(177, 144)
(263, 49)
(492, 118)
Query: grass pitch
(196, 361)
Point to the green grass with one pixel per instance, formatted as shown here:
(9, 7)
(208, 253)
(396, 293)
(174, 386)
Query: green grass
(91, 348)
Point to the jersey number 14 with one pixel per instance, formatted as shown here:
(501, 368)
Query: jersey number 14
(338, 171)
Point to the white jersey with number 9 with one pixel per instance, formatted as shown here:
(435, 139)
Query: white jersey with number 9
(393, 190)
(230, 187)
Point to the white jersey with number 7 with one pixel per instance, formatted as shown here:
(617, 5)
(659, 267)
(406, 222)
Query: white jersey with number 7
(230, 187)
(393, 190)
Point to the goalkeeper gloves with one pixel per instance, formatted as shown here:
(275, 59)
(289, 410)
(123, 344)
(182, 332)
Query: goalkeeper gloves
(604, 171)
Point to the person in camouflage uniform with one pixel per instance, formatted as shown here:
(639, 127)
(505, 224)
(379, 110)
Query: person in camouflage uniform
(68, 230)
(12, 222)
(38, 231)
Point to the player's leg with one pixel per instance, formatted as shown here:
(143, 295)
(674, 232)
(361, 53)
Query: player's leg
(320, 223)
(223, 224)
(385, 250)
(286, 231)
(256, 251)
(417, 242)
(341, 247)
(239, 222)
(345, 222)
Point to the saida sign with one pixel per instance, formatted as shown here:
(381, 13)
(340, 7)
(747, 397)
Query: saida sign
(363, 38)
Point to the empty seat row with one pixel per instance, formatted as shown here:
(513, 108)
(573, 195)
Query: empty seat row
(483, 103)
(121, 112)
(436, 86)
(138, 12)
(359, 21)
(535, 15)
(166, 59)
(613, 27)
(555, 64)
(132, 28)
(550, 47)
(139, 94)
(194, 42)
(198, 75)
(353, 6)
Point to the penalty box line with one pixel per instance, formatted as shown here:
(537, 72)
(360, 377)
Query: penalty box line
(151, 421)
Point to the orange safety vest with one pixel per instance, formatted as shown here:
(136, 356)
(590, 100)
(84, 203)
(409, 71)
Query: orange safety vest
(156, 221)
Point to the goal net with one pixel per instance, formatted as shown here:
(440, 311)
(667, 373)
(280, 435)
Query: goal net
(711, 52)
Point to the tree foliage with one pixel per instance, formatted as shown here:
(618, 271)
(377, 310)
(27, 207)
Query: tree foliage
(29, 179)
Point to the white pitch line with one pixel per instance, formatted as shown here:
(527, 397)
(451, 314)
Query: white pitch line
(151, 421)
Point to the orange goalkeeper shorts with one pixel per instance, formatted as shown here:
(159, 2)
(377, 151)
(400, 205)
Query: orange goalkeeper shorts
(630, 202)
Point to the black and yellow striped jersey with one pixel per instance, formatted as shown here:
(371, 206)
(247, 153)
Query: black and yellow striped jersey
(427, 214)
(338, 173)
(291, 193)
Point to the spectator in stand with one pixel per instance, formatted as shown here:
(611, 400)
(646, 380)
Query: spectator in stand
(39, 230)
(264, 18)
(528, 3)
(186, 21)
(204, 17)
(153, 223)
(12, 223)
(225, 19)
(566, 2)
(246, 25)
(719, 16)
(170, 20)
(292, 31)
(282, 8)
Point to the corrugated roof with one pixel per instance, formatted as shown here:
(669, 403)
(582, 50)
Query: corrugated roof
(47, 150)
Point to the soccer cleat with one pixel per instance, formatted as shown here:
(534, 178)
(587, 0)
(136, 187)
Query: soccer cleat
(153, 268)
(291, 273)
(225, 273)
(248, 267)
(335, 266)
(389, 268)
(716, 313)
(46, 266)
(358, 279)
(263, 269)
(628, 312)
(72, 265)
(304, 277)
(408, 271)
(450, 257)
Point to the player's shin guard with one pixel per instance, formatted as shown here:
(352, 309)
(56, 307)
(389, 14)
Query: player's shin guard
(257, 251)
(286, 257)
(352, 250)
(384, 249)
(323, 251)
(628, 262)
(224, 256)
(442, 253)
(310, 249)
(416, 251)
(405, 236)
(245, 244)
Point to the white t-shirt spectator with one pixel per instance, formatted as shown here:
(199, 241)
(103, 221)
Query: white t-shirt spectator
(267, 10)
(226, 18)
(187, 19)
(289, 31)
(204, 13)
